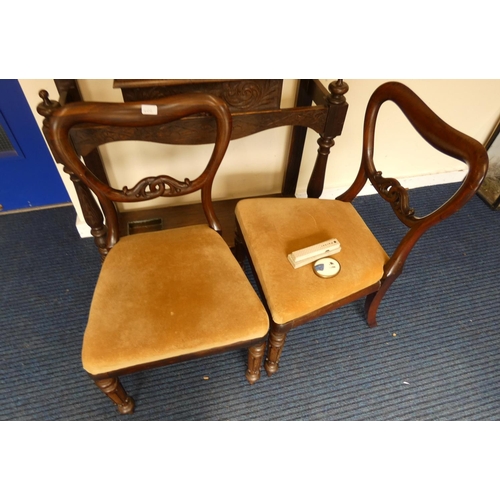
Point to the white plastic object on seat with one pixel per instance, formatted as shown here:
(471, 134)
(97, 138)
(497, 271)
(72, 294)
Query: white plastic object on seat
(309, 254)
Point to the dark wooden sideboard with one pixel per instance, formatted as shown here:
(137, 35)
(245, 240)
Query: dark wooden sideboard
(255, 106)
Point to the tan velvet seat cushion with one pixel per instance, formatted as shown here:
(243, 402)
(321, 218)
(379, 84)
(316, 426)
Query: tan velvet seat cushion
(275, 227)
(166, 294)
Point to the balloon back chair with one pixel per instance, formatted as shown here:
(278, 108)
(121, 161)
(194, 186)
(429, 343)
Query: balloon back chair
(166, 296)
(270, 229)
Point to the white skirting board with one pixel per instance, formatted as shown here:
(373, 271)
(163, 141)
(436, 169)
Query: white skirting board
(83, 228)
(330, 194)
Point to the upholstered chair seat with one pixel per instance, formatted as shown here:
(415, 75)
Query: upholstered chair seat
(273, 228)
(168, 294)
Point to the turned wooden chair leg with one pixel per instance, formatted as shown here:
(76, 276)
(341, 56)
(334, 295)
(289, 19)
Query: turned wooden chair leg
(113, 388)
(255, 358)
(277, 337)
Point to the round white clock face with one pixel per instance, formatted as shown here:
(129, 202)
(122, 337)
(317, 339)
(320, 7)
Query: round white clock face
(326, 268)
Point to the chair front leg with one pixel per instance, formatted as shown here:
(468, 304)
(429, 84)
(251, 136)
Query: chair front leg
(255, 357)
(113, 388)
(277, 337)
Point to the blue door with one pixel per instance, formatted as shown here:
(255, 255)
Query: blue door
(28, 175)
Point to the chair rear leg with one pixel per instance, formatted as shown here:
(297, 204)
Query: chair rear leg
(374, 299)
(371, 310)
(239, 250)
(255, 357)
(113, 388)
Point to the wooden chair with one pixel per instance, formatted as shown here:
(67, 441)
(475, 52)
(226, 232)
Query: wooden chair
(270, 229)
(166, 296)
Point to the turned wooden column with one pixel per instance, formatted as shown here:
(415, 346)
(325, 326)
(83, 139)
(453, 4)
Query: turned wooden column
(92, 213)
(337, 109)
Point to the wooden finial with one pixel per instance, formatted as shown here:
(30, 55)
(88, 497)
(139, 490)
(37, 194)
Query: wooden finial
(337, 91)
(46, 107)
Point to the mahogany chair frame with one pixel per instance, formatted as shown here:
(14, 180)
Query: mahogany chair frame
(88, 125)
(77, 129)
(439, 135)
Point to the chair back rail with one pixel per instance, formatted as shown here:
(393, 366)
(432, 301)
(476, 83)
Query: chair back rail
(439, 135)
(434, 131)
(122, 120)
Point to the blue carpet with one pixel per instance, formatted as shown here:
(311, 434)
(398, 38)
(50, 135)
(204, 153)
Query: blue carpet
(435, 354)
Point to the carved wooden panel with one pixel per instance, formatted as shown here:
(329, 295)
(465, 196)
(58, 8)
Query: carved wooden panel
(240, 95)
(199, 130)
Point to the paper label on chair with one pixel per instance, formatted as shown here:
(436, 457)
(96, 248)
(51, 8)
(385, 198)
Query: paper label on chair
(149, 109)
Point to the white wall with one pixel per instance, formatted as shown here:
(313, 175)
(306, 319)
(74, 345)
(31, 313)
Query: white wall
(255, 165)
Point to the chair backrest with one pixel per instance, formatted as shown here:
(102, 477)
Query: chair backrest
(76, 129)
(438, 134)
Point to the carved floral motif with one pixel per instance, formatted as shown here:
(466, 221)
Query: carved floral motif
(391, 190)
(153, 187)
(239, 94)
(248, 94)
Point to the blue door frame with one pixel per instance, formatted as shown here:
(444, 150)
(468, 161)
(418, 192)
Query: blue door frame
(28, 174)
